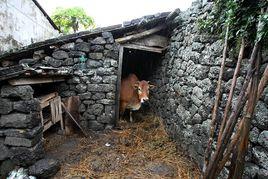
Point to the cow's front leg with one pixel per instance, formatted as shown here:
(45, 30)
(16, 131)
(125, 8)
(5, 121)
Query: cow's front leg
(130, 116)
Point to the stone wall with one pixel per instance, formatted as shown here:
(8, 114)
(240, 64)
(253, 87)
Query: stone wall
(185, 94)
(92, 67)
(22, 23)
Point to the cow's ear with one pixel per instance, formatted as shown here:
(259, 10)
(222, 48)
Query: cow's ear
(136, 85)
(152, 86)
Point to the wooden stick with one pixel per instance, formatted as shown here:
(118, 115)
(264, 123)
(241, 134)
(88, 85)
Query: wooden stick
(66, 110)
(231, 93)
(217, 101)
(140, 35)
(211, 169)
(242, 148)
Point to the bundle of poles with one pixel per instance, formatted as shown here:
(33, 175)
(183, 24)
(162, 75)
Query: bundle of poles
(232, 140)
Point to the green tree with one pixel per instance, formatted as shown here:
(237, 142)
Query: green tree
(74, 18)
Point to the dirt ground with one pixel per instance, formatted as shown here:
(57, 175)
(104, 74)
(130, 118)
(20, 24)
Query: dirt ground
(139, 150)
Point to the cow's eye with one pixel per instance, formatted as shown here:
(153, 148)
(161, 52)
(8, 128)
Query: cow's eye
(139, 89)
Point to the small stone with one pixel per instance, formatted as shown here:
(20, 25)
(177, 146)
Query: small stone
(96, 126)
(60, 54)
(79, 40)
(253, 135)
(68, 46)
(52, 62)
(96, 79)
(260, 156)
(263, 174)
(76, 53)
(6, 106)
(82, 46)
(4, 154)
(97, 48)
(96, 56)
(93, 64)
(22, 142)
(260, 119)
(44, 168)
(24, 133)
(110, 96)
(84, 96)
(263, 139)
(106, 71)
(98, 96)
(101, 87)
(110, 79)
(98, 41)
(162, 169)
(106, 101)
(68, 62)
(95, 109)
(28, 61)
(81, 88)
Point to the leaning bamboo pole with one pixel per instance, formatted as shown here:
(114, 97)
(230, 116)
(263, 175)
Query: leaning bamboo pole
(217, 101)
(231, 93)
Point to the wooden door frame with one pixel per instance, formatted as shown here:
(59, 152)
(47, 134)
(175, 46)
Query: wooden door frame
(118, 85)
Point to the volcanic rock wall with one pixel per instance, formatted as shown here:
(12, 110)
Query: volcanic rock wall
(91, 65)
(186, 82)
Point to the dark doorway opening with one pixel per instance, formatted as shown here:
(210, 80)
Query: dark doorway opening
(140, 62)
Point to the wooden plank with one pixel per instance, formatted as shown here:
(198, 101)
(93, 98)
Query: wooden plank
(66, 110)
(153, 41)
(118, 84)
(27, 81)
(47, 97)
(47, 125)
(140, 35)
(140, 47)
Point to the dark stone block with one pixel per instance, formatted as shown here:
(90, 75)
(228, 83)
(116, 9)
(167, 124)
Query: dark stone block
(5, 106)
(60, 54)
(25, 156)
(44, 168)
(19, 120)
(95, 109)
(101, 87)
(96, 48)
(96, 126)
(89, 117)
(28, 61)
(81, 88)
(23, 133)
(98, 96)
(4, 154)
(93, 64)
(17, 92)
(106, 101)
(105, 119)
(85, 96)
(88, 102)
(27, 106)
(98, 41)
(96, 55)
(68, 46)
(106, 71)
(23, 142)
(110, 79)
(68, 62)
(76, 54)
(6, 167)
(52, 62)
(82, 46)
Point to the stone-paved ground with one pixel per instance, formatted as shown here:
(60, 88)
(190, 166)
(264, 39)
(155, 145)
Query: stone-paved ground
(139, 150)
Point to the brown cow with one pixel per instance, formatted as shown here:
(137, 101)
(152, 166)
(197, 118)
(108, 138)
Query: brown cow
(133, 93)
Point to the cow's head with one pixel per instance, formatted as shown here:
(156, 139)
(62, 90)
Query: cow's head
(143, 90)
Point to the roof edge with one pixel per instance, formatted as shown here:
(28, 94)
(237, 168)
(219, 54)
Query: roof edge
(46, 15)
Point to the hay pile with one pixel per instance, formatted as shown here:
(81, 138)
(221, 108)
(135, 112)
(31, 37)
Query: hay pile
(139, 150)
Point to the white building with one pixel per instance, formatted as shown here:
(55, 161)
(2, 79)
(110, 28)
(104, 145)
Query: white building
(23, 22)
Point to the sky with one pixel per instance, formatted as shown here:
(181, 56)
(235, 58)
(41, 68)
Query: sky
(111, 12)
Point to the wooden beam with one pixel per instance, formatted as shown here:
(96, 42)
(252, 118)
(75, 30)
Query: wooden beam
(140, 35)
(140, 47)
(47, 97)
(153, 40)
(28, 81)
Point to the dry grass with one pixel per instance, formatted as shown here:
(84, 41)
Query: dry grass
(134, 153)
